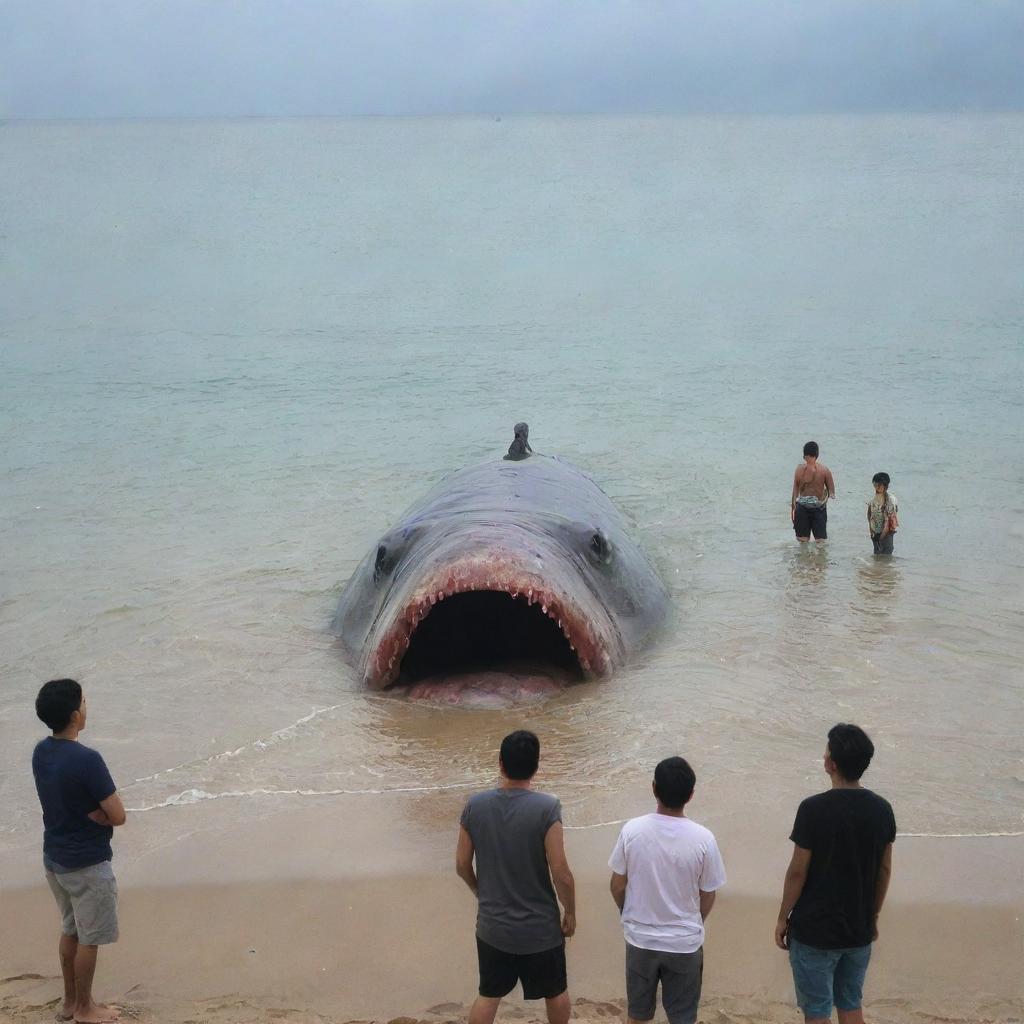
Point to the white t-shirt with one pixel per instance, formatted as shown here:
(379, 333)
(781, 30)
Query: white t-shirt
(667, 861)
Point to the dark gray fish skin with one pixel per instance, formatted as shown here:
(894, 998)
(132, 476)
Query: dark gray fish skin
(541, 530)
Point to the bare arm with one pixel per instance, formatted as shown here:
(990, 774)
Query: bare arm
(795, 494)
(561, 876)
(882, 885)
(830, 484)
(110, 811)
(618, 889)
(464, 859)
(707, 901)
(796, 876)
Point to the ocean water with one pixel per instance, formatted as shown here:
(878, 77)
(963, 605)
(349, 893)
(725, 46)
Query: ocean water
(231, 353)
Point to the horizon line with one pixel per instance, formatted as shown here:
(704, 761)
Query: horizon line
(498, 115)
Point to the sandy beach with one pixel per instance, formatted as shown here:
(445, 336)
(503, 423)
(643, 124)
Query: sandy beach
(232, 352)
(399, 944)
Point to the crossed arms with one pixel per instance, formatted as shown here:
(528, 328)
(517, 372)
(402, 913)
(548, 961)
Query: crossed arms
(110, 811)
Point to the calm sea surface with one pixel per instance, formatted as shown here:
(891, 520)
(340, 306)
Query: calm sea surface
(232, 353)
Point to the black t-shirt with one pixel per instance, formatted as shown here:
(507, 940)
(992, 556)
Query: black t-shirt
(71, 780)
(847, 831)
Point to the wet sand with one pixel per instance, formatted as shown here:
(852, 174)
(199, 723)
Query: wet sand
(361, 946)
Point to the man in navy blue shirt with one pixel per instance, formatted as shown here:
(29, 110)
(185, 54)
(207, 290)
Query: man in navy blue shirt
(80, 809)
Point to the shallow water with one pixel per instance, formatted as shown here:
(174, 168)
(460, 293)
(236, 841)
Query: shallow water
(232, 353)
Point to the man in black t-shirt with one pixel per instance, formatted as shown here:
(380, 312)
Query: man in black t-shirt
(836, 883)
(80, 809)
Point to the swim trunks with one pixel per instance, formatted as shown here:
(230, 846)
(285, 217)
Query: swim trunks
(810, 517)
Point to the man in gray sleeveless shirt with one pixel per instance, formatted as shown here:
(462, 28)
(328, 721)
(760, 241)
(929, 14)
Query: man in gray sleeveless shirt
(515, 836)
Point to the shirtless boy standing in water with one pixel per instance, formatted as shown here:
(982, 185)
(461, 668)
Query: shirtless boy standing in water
(812, 487)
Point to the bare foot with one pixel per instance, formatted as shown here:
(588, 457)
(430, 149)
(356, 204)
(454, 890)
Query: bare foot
(97, 1014)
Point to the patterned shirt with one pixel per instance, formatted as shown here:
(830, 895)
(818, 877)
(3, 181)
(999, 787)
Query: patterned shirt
(878, 512)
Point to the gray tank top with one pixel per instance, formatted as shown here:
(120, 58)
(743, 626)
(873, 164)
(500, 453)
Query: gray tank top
(517, 911)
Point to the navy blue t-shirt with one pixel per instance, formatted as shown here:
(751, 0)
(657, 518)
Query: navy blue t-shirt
(71, 780)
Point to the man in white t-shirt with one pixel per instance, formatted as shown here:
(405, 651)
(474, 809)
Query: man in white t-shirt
(665, 871)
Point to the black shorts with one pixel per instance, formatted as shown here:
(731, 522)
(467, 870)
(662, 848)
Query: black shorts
(810, 520)
(542, 974)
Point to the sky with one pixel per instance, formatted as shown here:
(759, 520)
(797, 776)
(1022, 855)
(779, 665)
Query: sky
(276, 58)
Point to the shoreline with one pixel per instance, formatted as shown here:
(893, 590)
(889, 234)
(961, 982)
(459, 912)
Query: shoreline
(400, 944)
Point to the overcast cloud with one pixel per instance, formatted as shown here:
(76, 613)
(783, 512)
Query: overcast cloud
(190, 58)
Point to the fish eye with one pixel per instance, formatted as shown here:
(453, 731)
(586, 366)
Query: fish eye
(382, 564)
(391, 549)
(600, 547)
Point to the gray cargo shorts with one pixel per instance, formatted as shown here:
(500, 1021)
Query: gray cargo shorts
(680, 975)
(88, 902)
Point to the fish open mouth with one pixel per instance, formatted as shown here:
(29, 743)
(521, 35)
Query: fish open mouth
(486, 621)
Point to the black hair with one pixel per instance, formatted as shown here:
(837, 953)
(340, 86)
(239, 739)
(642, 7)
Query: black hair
(520, 754)
(57, 701)
(850, 749)
(673, 782)
(811, 448)
(881, 478)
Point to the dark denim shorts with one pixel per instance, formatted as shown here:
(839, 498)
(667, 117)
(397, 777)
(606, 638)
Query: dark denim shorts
(823, 977)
